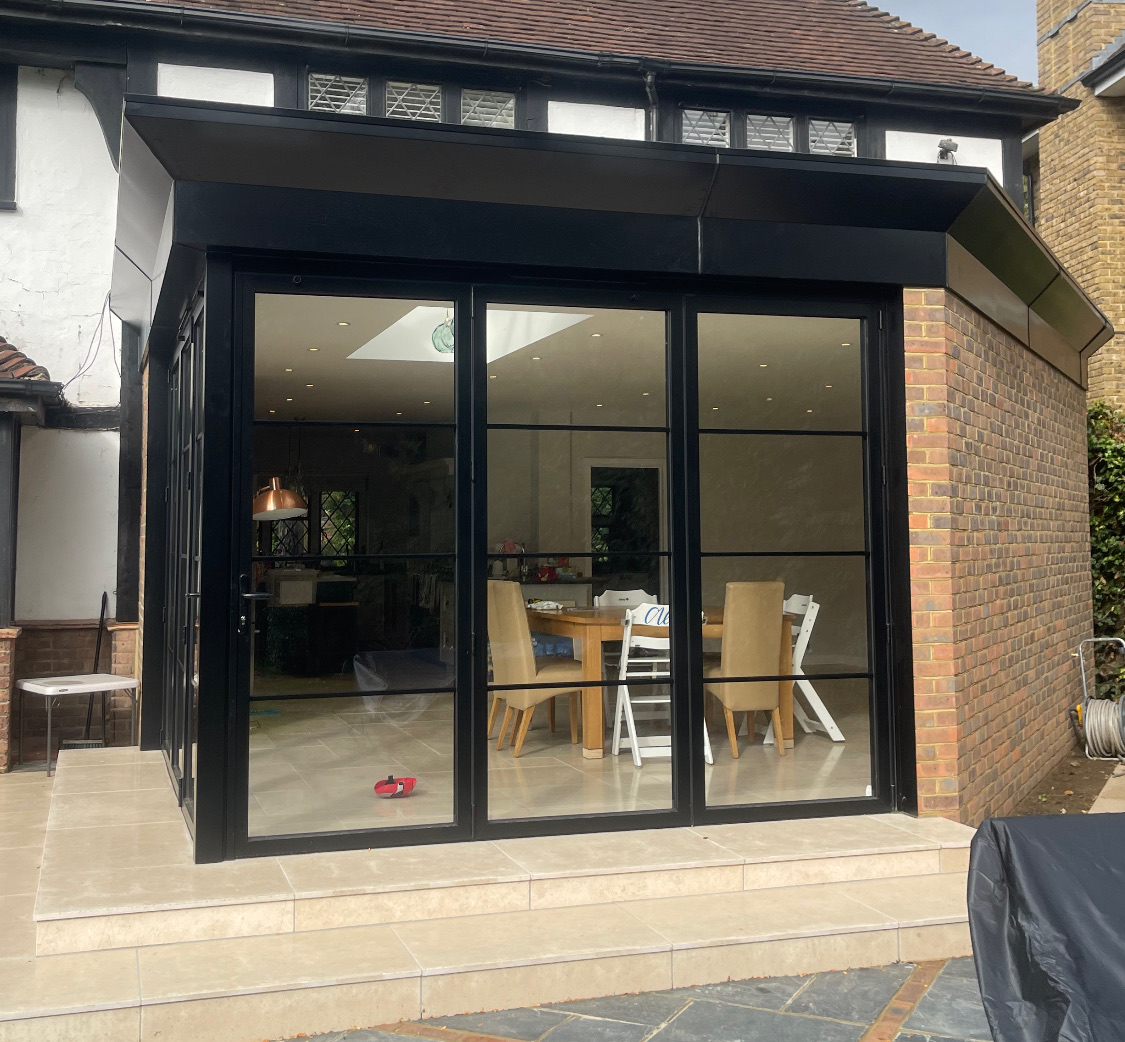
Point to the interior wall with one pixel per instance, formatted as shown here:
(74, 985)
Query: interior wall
(66, 549)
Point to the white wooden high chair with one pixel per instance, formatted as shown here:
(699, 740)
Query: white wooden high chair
(806, 610)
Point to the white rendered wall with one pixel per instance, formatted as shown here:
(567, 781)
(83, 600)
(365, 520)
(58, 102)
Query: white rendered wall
(66, 549)
(200, 83)
(971, 151)
(56, 247)
(614, 121)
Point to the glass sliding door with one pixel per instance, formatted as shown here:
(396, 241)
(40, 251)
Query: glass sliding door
(350, 589)
(577, 537)
(785, 567)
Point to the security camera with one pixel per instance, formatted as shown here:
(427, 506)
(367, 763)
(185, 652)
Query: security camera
(946, 147)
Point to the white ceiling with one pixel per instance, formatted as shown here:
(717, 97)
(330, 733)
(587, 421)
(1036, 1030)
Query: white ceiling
(548, 367)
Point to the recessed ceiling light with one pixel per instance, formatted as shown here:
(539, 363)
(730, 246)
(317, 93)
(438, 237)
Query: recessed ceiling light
(595, 334)
(829, 386)
(644, 394)
(273, 410)
(343, 323)
(308, 385)
(536, 358)
(845, 345)
(714, 408)
(289, 370)
(357, 429)
(492, 376)
(769, 399)
(762, 365)
(599, 405)
(398, 414)
(425, 403)
(314, 348)
(808, 410)
(288, 399)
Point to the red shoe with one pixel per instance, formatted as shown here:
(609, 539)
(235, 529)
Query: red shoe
(393, 787)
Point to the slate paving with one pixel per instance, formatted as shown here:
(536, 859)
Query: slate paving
(823, 1007)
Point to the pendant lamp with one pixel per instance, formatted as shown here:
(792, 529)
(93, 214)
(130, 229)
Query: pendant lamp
(274, 503)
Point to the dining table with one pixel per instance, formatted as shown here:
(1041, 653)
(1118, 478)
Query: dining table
(592, 628)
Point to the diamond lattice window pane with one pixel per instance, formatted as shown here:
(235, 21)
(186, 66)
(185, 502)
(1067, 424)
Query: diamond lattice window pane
(414, 101)
(289, 538)
(829, 138)
(488, 108)
(337, 523)
(774, 133)
(705, 127)
(328, 93)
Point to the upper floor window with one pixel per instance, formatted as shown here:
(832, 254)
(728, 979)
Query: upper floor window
(329, 93)
(832, 138)
(414, 100)
(774, 133)
(488, 108)
(706, 127)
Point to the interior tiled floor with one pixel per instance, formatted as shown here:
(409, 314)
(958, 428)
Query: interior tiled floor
(313, 764)
(845, 1006)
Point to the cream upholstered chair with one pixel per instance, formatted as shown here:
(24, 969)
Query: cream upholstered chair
(514, 662)
(751, 647)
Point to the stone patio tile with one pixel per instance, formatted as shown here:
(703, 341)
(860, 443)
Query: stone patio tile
(856, 995)
(951, 1007)
(528, 1025)
(650, 1008)
(582, 1029)
(770, 993)
(965, 969)
(364, 1035)
(719, 1022)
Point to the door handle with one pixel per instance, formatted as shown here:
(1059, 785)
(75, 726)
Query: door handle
(257, 596)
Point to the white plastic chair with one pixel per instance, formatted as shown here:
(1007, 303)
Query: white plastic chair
(654, 664)
(622, 599)
(806, 609)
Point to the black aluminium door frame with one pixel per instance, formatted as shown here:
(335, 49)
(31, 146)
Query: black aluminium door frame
(888, 577)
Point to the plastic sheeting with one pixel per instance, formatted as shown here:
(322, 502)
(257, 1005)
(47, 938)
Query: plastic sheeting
(1047, 914)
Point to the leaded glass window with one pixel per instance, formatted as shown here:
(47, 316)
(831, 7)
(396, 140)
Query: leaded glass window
(329, 93)
(414, 101)
(706, 127)
(774, 133)
(289, 538)
(830, 138)
(337, 523)
(488, 108)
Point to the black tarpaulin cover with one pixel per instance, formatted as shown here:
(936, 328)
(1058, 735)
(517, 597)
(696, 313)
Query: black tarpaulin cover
(1047, 915)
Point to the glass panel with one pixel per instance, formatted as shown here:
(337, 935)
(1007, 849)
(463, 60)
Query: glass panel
(414, 101)
(769, 492)
(832, 138)
(774, 133)
(569, 366)
(704, 127)
(577, 524)
(779, 372)
(488, 108)
(353, 583)
(329, 93)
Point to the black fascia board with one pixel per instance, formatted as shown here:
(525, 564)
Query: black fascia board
(46, 391)
(200, 24)
(1105, 69)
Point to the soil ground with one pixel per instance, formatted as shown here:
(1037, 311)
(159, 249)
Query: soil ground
(1071, 787)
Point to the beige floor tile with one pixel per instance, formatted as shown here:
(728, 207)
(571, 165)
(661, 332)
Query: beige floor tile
(480, 990)
(913, 901)
(111, 1025)
(67, 984)
(688, 922)
(634, 886)
(29, 837)
(100, 932)
(113, 755)
(606, 853)
(791, 957)
(148, 846)
(944, 941)
(120, 777)
(526, 938)
(97, 809)
(811, 837)
(955, 859)
(310, 1011)
(173, 886)
(935, 830)
(17, 926)
(399, 868)
(841, 868)
(1106, 805)
(19, 870)
(211, 969)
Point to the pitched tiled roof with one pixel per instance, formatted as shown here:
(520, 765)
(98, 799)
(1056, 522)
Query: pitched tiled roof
(843, 37)
(15, 365)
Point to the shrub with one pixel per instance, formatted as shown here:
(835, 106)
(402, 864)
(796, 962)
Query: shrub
(1105, 430)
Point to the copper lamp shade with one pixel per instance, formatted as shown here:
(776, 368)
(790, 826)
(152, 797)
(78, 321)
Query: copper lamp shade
(274, 503)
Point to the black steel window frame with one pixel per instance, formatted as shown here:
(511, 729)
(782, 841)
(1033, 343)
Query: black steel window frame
(9, 78)
(682, 302)
(673, 129)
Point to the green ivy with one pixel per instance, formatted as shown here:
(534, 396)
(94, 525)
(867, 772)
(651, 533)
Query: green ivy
(1105, 430)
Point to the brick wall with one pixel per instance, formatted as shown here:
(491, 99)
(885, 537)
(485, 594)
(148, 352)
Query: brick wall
(8, 637)
(52, 649)
(1082, 176)
(1000, 558)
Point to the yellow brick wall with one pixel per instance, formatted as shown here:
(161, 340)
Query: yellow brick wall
(999, 557)
(1081, 211)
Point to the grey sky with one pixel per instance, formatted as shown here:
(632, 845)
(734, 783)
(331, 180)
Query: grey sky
(999, 31)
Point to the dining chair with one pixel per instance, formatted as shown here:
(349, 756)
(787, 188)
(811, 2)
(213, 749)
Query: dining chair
(646, 657)
(622, 599)
(752, 613)
(514, 662)
(805, 611)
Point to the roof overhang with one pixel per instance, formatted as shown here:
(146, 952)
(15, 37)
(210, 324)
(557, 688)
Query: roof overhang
(1106, 77)
(198, 177)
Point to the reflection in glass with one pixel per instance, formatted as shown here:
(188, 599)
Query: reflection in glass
(353, 600)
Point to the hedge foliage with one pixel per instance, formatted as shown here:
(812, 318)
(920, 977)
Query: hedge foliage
(1105, 431)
